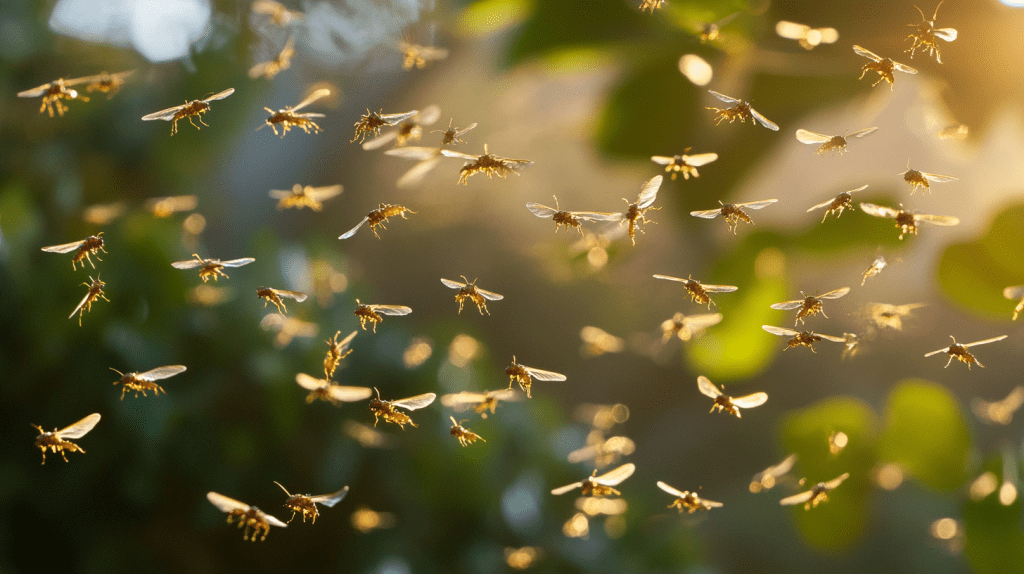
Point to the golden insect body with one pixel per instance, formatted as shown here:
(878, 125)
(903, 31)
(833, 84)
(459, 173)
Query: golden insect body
(684, 164)
(636, 212)
(336, 351)
(830, 143)
(907, 221)
(289, 118)
(688, 501)
(809, 38)
(727, 404)
(651, 5)
(105, 83)
(372, 313)
(90, 245)
(688, 326)
(188, 110)
(408, 130)
(698, 291)
(387, 410)
(891, 316)
(919, 179)
(602, 485)
(926, 35)
(883, 66)
(54, 92)
(479, 402)
(142, 382)
(597, 341)
(810, 305)
(524, 376)
(815, 496)
(767, 478)
(801, 338)
(278, 13)
(95, 293)
(326, 390)
(733, 212)
(876, 267)
(469, 290)
(275, 295)
(248, 517)
(569, 219)
(305, 504)
(427, 158)
(960, 352)
(487, 163)
(852, 341)
(372, 122)
(416, 56)
(211, 268)
(377, 218)
(999, 412)
(57, 440)
(271, 68)
(741, 111)
(453, 135)
(304, 196)
(1015, 292)
(168, 206)
(711, 31)
(842, 201)
(464, 435)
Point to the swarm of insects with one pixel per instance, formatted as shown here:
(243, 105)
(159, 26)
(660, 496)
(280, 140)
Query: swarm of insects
(377, 218)
(688, 501)
(142, 382)
(453, 134)
(842, 201)
(602, 485)
(816, 495)
(90, 245)
(95, 293)
(711, 31)
(211, 268)
(275, 296)
(636, 211)
(885, 315)
(801, 338)
(273, 67)
(1015, 292)
(336, 351)
(278, 13)
(569, 219)
(305, 504)
(767, 478)
(408, 130)
(999, 412)
(463, 434)
(372, 122)
(684, 164)
(809, 306)
(416, 56)
(57, 440)
(698, 291)
(741, 111)
(469, 290)
(372, 313)
(304, 196)
(168, 206)
(187, 110)
(479, 402)
(830, 143)
(387, 410)
(524, 376)
(809, 38)
(289, 118)
(876, 267)
(487, 163)
(249, 517)
(960, 352)
(907, 221)
(733, 212)
(926, 35)
(727, 404)
(688, 326)
(651, 5)
(883, 66)
(920, 180)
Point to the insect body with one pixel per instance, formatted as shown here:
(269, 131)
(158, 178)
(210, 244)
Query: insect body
(469, 290)
(919, 179)
(278, 13)
(842, 201)
(570, 219)
(926, 35)
(698, 291)
(809, 306)
(288, 118)
(883, 66)
(53, 93)
(960, 352)
(103, 82)
(271, 68)
(304, 196)
(372, 122)
(479, 402)
(830, 143)
(377, 218)
(57, 441)
(733, 212)
(249, 517)
(372, 313)
(416, 56)
(801, 338)
(684, 164)
(635, 212)
(524, 376)
(305, 504)
(600, 485)
(907, 221)
(885, 315)
(809, 38)
(651, 5)
(464, 435)
(1015, 292)
(142, 382)
(725, 403)
(767, 478)
(453, 134)
(325, 390)
(187, 110)
(688, 326)
(90, 245)
(487, 163)
(387, 409)
(688, 501)
(274, 296)
(876, 267)
(95, 292)
(336, 351)
(211, 268)
(408, 130)
(741, 111)
(816, 495)
(711, 31)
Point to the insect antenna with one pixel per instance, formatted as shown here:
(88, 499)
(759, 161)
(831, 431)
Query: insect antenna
(283, 488)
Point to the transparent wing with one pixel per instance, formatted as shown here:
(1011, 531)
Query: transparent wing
(318, 94)
(393, 310)
(218, 96)
(663, 160)
(710, 503)
(417, 172)
(414, 403)
(542, 375)
(702, 321)
(649, 192)
(904, 68)
(161, 373)
(835, 294)
(431, 113)
(300, 297)
(65, 248)
(462, 401)
(381, 140)
(309, 383)
(325, 192)
(787, 305)
(613, 477)
(791, 30)
(280, 194)
(329, 500)
(349, 394)
(273, 520)
(452, 284)
(781, 331)
(837, 481)
(417, 153)
(465, 129)
(700, 159)
(938, 178)
(597, 215)
(809, 137)
(670, 490)
(1015, 292)
(225, 504)
(862, 133)
(757, 204)
(259, 69)
(831, 338)
(986, 341)
(750, 401)
(566, 488)
(352, 231)
(35, 92)
(670, 278)
(822, 204)
(707, 388)
(188, 264)
(459, 154)
(724, 97)
(866, 53)
(238, 262)
(878, 210)
(947, 34)
(79, 429)
(783, 467)
(489, 295)
(80, 305)
(541, 210)
(942, 350)
(393, 119)
(167, 114)
(719, 288)
(797, 498)
(828, 35)
(941, 220)
(517, 163)
(707, 213)
(763, 120)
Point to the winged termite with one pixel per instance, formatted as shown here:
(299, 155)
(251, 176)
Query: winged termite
(810, 305)
(278, 13)
(463, 434)
(479, 402)
(469, 290)
(377, 218)
(842, 201)
(90, 245)
(920, 180)
(372, 313)
(767, 478)
(453, 134)
(733, 212)
(336, 351)
(304, 196)
(727, 404)
(273, 67)
(106, 83)
(651, 5)
(525, 375)
(636, 212)
(597, 341)
(883, 66)
(55, 91)
(249, 517)
(1015, 292)
(926, 35)
(289, 118)
(885, 315)
(960, 352)
(876, 267)
(684, 164)
(57, 440)
(809, 38)
(602, 485)
(275, 296)
(688, 501)
(387, 409)
(95, 293)
(602, 451)
(1001, 411)
(305, 504)
(687, 327)
(907, 221)
(852, 341)
(372, 122)
(801, 338)
(142, 382)
(416, 56)
(569, 219)
(408, 130)
(187, 110)
(698, 291)
(711, 31)
(326, 390)
(167, 206)
(741, 111)
(287, 327)
(816, 495)
(830, 143)
(211, 268)
(487, 163)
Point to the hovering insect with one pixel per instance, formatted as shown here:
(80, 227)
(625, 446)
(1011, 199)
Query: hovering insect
(305, 196)
(90, 245)
(741, 111)
(830, 143)
(907, 221)
(274, 296)
(635, 212)
(810, 305)
(416, 56)
(281, 62)
(999, 412)
(876, 267)
(105, 83)
(95, 293)
(525, 375)
(372, 122)
(187, 110)
(711, 31)
(767, 478)
(570, 219)
(479, 402)
(699, 292)
(651, 5)
(336, 351)
(842, 201)
(852, 341)
(801, 338)
(287, 328)
(453, 135)
(927, 33)
(809, 38)
(597, 341)
(469, 290)
(688, 501)
(250, 517)
(427, 159)
(386, 409)
(464, 435)
(816, 495)
(486, 163)
(919, 179)
(601, 450)
(168, 206)
(305, 504)
(884, 66)
(57, 441)
(688, 326)
(211, 268)
(891, 316)
(685, 164)
(278, 13)
(960, 352)
(408, 130)
(1015, 292)
(142, 382)
(733, 212)
(56, 91)
(288, 118)
(377, 218)
(326, 390)
(372, 313)
(600, 485)
(725, 403)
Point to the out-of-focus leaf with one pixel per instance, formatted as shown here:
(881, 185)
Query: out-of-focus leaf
(492, 16)
(994, 541)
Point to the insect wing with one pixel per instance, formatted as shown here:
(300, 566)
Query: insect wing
(34, 92)
(707, 213)
(415, 403)
(1015, 292)
(835, 294)
(459, 154)
(219, 96)
(670, 490)
(349, 394)
(452, 284)
(65, 248)
(381, 140)
(670, 278)
(329, 500)
(791, 30)
(938, 178)
(353, 231)
(392, 119)
(239, 263)
(787, 305)
(867, 54)
(417, 153)
(809, 137)
(764, 121)
(700, 159)
(719, 288)
(707, 388)
(663, 160)
(79, 429)
(649, 192)
(904, 68)
(300, 297)
(566, 488)
(614, 477)
(80, 304)
(516, 164)
(323, 193)
(862, 133)
(161, 373)
(431, 113)
(461, 401)
(225, 504)
(750, 401)
(986, 341)
(310, 383)
(757, 204)
(542, 375)
(947, 34)
(273, 520)
(318, 94)
(167, 114)
(597, 215)
(461, 132)
(878, 210)
(280, 194)
(189, 264)
(541, 210)
(702, 321)
(724, 97)
(830, 338)
(943, 350)
(393, 310)
(489, 295)
(837, 481)
(710, 503)
(781, 331)
(941, 220)
(797, 498)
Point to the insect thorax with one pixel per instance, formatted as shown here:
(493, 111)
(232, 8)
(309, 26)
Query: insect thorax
(303, 505)
(724, 403)
(594, 489)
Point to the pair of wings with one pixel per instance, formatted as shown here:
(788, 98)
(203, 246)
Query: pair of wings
(80, 428)
(882, 211)
(781, 331)
(541, 210)
(225, 504)
(775, 471)
(314, 193)
(394, 119)
(300, 297)
(965, 345)
(680, 494)
(169, 113)
(691, 160)
(427, 117)
(610, 478)
(342, 345)
(809, 137)
(414, 403)
(757, 117)
(489, 295)
(807, 495)
(708, 389)
(789, 305)
(707, 288)
(67, 247)
(337, 392)
(159, 373)
(193, 263)
(713, 213)
(328, 500)
(803, 32)
(466, 399)
(285, 55)
(692, 321)
(611, 445)
(117, 78)
(933, 177)
(831, 201)
(649, 192)
(873, 56)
